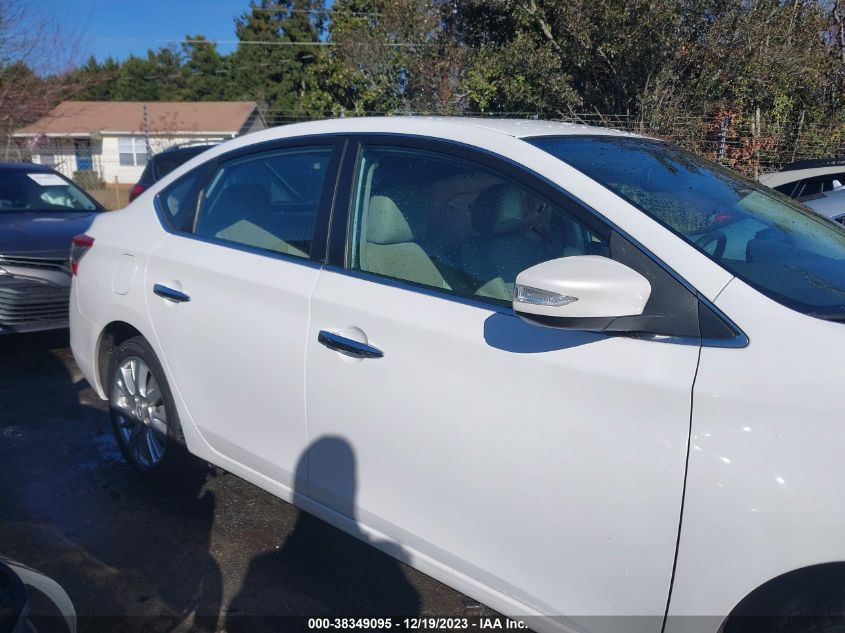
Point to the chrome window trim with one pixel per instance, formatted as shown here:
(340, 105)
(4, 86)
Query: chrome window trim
(737, 342)
(429, 291)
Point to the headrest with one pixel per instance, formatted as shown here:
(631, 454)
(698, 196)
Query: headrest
(498, 209)
(245, 198)
(387, 224)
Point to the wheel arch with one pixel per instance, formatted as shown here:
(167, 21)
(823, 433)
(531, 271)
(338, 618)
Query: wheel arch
(792, 592)
(111, 337)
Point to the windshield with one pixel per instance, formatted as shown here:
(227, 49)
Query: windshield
(778, 246)
(41, 191)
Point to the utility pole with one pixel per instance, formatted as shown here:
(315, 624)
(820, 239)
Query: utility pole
(147, 131)
(723, 137)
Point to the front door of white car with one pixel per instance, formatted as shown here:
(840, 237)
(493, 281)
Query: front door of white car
(545, 466)
(235, 346)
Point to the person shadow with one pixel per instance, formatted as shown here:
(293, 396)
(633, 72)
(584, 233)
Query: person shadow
(318, 571)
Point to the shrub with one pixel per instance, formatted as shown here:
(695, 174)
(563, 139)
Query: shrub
(88, 179)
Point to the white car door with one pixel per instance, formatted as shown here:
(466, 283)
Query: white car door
(535, 467)
(228, 299)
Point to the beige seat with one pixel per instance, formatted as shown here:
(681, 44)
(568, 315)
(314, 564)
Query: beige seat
(237, 215)
(391, 247)
(501, 249)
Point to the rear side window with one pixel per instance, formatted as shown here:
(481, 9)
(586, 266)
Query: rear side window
(178, 202)
(162, 164)
(267, 201)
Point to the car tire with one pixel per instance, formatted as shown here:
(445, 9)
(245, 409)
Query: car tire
(143, 414)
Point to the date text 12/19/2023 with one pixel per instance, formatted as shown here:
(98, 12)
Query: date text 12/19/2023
(417, 624)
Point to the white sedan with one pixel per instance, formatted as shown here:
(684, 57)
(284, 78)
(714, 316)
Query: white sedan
(817, 183)
(583, 377)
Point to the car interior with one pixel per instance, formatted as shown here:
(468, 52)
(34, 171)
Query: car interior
(267, 202)
(455, 225)
(19, 191)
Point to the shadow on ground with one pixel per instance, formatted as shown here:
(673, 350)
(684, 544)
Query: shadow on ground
(206, 552)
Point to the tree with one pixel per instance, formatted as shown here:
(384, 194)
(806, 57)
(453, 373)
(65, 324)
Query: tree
(36, 60)
(156, 77)
(278, 44)
(206, 72)
(390, 56)
(100, 79)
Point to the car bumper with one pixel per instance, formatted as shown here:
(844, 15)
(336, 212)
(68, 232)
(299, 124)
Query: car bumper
(84, 338)
(30, 304)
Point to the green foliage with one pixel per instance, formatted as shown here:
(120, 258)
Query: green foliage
(655, 62)
(277, 48)
(206, 73)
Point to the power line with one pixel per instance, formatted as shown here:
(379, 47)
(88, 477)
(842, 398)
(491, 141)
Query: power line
(283, 43)
(272, 9)
(267, 42)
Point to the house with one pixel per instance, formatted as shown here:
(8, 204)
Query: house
(114, 138)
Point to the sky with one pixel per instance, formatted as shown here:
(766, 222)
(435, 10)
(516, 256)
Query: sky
(119, 28)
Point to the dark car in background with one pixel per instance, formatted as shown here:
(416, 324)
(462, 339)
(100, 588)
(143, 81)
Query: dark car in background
(161, 164)
(40, 213)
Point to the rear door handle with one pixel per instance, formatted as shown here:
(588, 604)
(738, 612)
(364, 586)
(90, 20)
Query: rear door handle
(347, 346)
(170, 294)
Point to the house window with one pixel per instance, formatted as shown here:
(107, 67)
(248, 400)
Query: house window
(132, 151)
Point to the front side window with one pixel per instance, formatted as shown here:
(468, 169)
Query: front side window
(443, 222)
(780, 247)
(267, 201)
(132, 151)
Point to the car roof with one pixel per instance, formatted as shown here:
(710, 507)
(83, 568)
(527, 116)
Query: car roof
(466, 129)
(778, 178)
(812, 163)
(518, 128)
(186, 148)
(27, 167)
(528, 128)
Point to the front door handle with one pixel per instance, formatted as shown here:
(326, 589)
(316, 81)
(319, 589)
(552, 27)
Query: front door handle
(170, 294)
(347, 346)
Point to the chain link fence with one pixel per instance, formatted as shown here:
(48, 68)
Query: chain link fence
(752, 145)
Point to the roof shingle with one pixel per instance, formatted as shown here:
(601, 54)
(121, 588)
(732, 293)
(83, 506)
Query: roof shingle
(87, 117)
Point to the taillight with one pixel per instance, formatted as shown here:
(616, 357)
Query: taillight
(79, 245)
(136, 191)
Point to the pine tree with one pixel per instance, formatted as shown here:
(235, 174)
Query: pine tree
(206, 71)
(279, 41)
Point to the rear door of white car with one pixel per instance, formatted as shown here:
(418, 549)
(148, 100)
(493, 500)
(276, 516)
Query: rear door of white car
(535, 466)
(246, 235)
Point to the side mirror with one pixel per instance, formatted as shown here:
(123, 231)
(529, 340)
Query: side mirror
(582, 292)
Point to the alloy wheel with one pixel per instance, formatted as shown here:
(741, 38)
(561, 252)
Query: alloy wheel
(137, 403)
